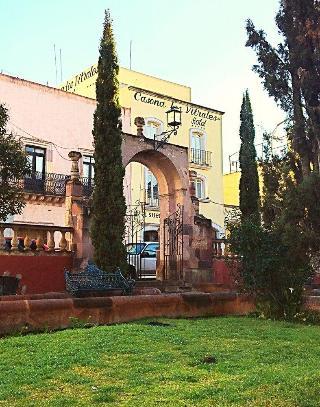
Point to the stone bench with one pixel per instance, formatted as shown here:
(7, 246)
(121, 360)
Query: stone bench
(92, 279)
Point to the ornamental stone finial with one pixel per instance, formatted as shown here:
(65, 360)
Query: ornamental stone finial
(139, 122)
(75, 157)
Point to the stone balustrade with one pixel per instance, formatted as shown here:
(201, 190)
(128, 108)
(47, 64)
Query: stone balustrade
(221, 248)
(21, 237)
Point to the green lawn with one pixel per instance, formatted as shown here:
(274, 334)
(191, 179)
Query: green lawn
(253, 363)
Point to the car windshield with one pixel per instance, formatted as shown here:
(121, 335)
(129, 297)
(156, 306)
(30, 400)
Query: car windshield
(135, 248)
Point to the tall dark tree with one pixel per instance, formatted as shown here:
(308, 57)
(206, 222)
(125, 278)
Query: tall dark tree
(13, 167)
(273, 169)
(277, 256)
(107, 230)
(291, 74)
(249, 181)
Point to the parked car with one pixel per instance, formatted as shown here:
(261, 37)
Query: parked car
(142, 259)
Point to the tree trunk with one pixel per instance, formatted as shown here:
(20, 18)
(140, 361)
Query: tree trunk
(299, 133)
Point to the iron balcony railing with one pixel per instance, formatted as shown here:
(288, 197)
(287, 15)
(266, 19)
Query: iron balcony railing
(45, 183)
(50, 184)
(200, 157)
(152, 201)
(88, 184)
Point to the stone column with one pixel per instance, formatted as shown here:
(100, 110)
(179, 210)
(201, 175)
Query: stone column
(139, 122)
(165, 212)
(199, 255)
(76, 213)
(74, 188)
(192, 190)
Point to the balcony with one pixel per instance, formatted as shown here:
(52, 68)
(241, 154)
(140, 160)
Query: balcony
(88, 184)
(51, 184)
(48, 184)
(200, 157)
(152, 202)
(45, 184)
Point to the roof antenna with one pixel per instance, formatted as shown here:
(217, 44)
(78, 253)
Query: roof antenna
(130, 52)
(60, 65)
(55, 62)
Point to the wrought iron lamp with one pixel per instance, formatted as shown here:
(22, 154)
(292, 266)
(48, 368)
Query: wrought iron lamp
(174, 122)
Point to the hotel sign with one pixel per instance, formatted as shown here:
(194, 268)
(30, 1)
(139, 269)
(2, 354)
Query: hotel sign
(83, 76)
(199, 116)
(153, 215)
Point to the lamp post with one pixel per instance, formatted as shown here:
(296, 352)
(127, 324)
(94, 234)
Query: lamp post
(174, 122)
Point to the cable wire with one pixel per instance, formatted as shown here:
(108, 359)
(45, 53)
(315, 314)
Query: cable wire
(37, 139)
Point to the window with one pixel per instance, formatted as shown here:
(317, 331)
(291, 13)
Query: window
(35, 181)
(88, 174)
(152, 193)
(151, 250)
(198, 140)
(36, 158)
(199, 184)
(198, 153)
(153, 127)
(151, 236)
(88, 167)
(134, 248)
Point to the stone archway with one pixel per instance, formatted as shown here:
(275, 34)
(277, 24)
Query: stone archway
(170, 166)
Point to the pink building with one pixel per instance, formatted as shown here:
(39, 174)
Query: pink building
(51, 123)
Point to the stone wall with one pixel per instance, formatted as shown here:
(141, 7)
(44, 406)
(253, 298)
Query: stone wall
(39, 272)
(27, 315)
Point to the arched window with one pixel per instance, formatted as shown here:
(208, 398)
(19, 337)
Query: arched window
(198, 139)
(153, 127)
(200, 187)
(152, 194)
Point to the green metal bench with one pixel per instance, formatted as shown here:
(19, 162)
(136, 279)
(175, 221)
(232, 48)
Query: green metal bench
(94, 279)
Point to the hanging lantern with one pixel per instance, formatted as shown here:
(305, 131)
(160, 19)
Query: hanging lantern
(174, 116)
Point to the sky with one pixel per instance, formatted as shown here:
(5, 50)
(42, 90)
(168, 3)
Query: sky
(198, 43)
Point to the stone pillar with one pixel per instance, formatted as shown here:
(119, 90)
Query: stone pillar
(164, 211)
(139, 122)
(192, 190)
(75, 157)
(168, 206)
(198, 237)
(76, 213)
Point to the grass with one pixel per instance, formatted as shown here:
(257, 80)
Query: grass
(196, 362)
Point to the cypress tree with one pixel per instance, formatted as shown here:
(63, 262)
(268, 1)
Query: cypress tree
(109, 208)
(290, 74)
(273, 168)
(249, 182)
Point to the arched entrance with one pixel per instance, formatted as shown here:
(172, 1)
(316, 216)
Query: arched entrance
(170, 197)
(170, 167)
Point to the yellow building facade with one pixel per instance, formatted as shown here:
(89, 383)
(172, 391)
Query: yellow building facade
(201, 131)
(231, 190)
